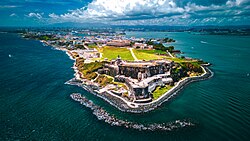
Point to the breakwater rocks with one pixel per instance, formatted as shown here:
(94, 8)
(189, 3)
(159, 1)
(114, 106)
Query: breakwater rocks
(101, 114)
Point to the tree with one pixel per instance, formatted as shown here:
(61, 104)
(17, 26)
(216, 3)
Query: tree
(132, 44)
(170, 49)
(150, 43)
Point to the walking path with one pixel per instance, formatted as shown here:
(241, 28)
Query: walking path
(170, 54)
(93, 80)
(135, 58)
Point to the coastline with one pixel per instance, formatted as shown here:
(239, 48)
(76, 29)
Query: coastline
(131, 107)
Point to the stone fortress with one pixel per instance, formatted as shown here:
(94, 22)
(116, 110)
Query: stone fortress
(141, 77)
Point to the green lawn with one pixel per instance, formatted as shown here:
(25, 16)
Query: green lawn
(153, 54)
(177, 60)
(159, 91)
(92, 46)
(152, 51)
(112, 53)
(181, 60)
(148, 54)
(88, 69)
(103, 80)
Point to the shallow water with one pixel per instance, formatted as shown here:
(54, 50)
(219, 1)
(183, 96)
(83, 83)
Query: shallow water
(36, 104)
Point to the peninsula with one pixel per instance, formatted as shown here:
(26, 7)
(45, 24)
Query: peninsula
(133, 74)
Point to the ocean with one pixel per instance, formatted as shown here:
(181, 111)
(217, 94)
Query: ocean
(35, 103)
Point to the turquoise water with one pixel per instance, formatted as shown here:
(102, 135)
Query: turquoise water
(35, 102)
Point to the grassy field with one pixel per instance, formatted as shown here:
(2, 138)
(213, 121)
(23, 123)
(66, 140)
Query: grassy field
(153, 54)
(159, 91)
(103, 80)
(92, 46)
(180, 60)
(148, 54)
(112, 53)
(88, 70)
(177, 60)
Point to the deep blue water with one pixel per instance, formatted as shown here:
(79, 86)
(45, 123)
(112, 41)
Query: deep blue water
(35, 102)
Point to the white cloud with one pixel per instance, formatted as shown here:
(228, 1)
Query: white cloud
(141, 12)
(53, 15)
(35, 15)
(236, 2)
(123, 9)
(8, 6)
(239, 2)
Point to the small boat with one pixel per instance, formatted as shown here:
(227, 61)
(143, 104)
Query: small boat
(203, 42)
(10, 56)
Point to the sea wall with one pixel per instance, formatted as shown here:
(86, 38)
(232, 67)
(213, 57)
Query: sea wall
(120, 104)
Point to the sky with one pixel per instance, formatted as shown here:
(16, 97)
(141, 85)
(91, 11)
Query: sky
(125, 12)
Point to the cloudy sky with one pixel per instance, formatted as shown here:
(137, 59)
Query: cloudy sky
(125, 12)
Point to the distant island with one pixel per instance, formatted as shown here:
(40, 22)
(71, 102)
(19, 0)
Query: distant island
(133, 74)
